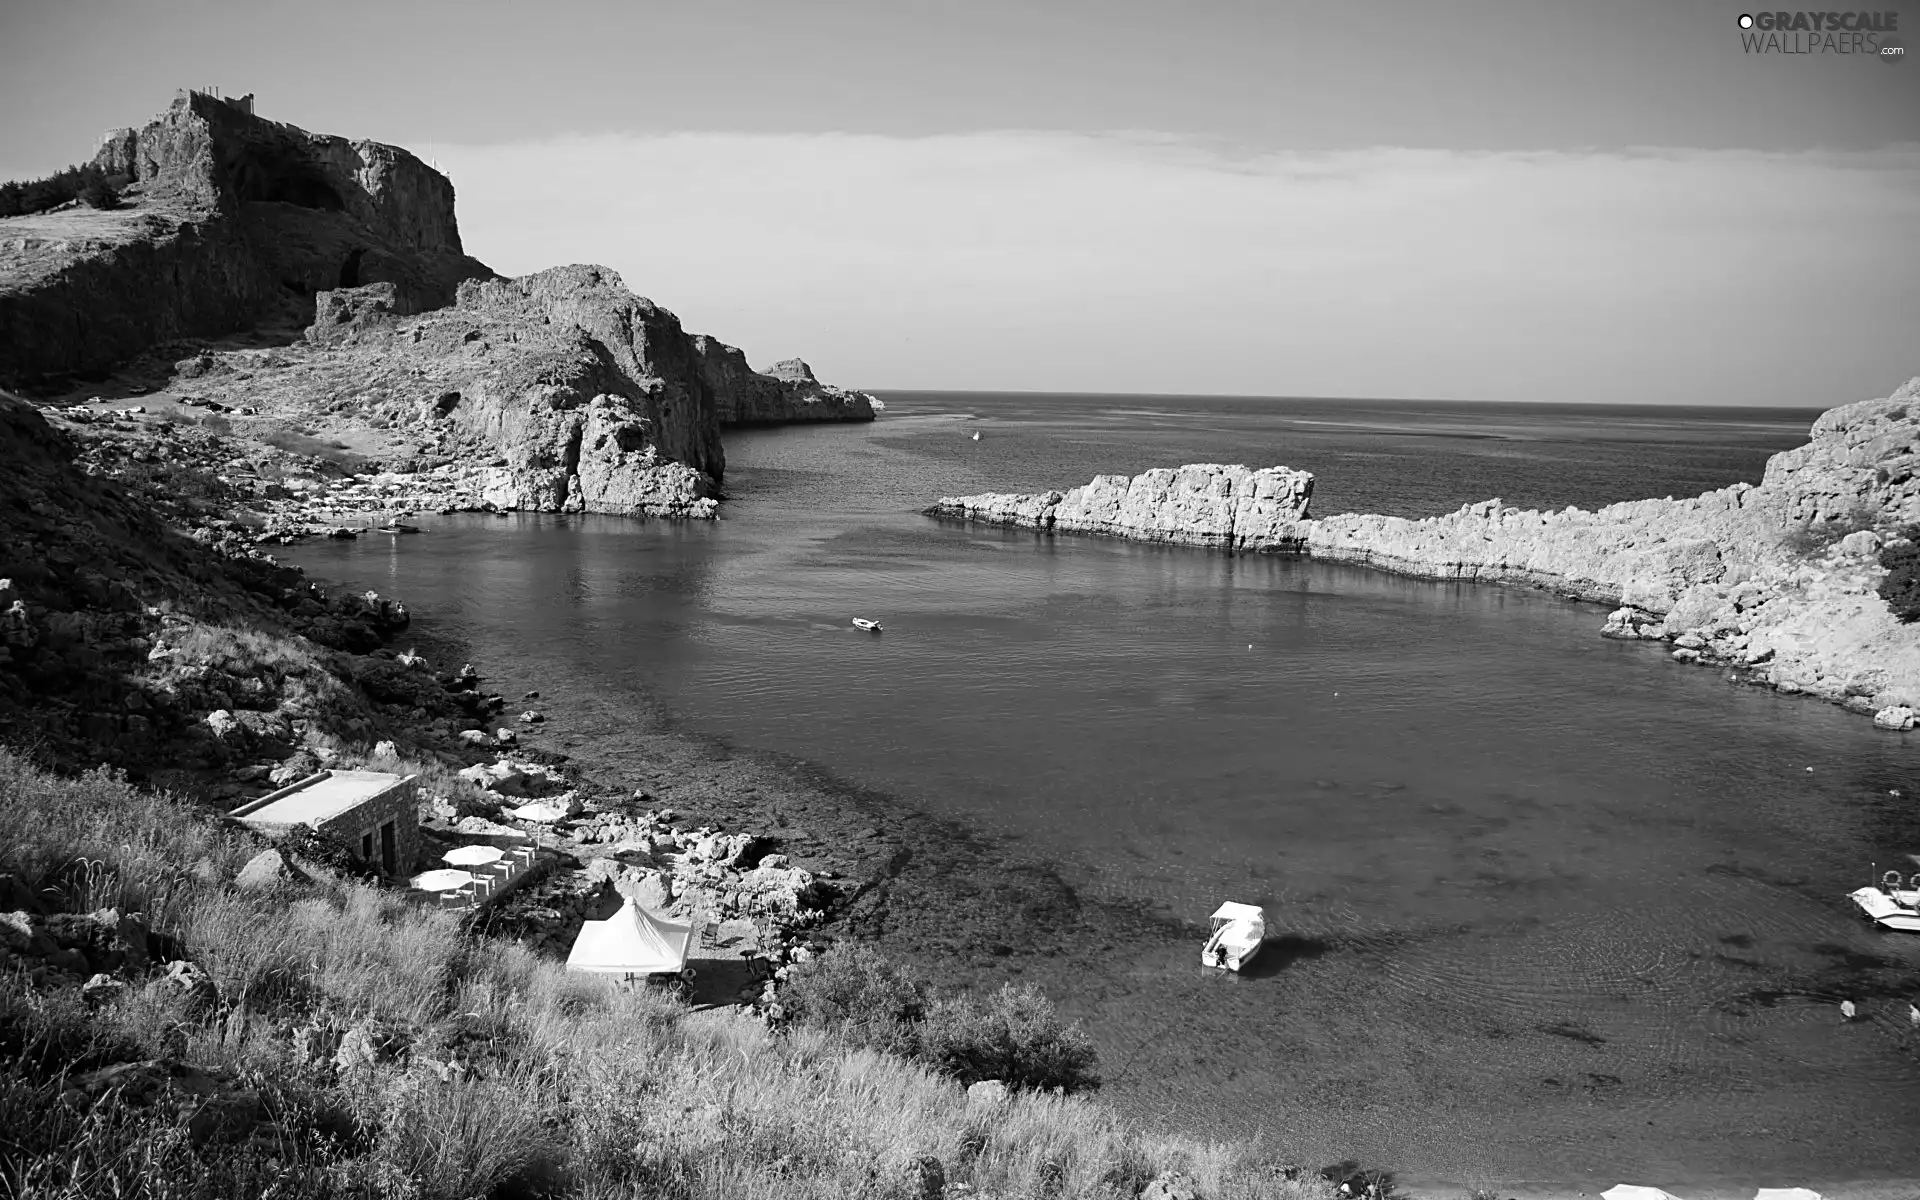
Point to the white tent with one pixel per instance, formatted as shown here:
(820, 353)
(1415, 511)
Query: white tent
(1633, 1191)
(631, 942)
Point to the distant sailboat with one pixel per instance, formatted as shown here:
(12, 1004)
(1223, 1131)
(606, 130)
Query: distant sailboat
(976, 435)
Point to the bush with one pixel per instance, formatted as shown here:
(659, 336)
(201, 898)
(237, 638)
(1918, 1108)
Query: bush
(853, 991)
(1901, 588)
(1014, 1036)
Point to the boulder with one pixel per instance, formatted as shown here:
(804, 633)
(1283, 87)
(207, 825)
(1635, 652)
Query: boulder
(1171, 1186)
(987, 1096)
(481, 827)
(1896, 717)
(102, 989)
(265, 870)
(1864, 543)
(187, 983)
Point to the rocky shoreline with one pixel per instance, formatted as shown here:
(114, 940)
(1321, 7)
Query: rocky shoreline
(1777, 580)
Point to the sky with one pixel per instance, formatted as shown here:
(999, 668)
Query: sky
(1462, 200)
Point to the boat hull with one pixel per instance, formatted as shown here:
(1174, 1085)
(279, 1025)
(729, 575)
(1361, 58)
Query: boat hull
(1886, 911)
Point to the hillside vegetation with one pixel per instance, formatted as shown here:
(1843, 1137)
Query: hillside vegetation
(329, 1039)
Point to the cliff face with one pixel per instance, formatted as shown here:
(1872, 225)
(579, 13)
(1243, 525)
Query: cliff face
(231, 222)
(1778, 577)
(1205, 504)
(785, 394)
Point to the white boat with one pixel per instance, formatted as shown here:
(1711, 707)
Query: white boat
(1237, 931)
(869, 626)
(1889, 905)
(976, 437)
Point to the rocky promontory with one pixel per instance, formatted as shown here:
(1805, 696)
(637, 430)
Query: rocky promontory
(307, 298)
(786, 393)
(1203, 504)
(1778, 578)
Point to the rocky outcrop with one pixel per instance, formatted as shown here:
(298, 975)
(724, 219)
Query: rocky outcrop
(1779, 578)
(559, 391)
(230, 222)
(787, 393)
(1204, 504)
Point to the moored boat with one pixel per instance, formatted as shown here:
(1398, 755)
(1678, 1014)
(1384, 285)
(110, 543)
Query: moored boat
(1236, 933)
(869, 626)
(1889, 905)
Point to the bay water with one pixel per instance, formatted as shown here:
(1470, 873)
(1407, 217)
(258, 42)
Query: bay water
(1545, 908)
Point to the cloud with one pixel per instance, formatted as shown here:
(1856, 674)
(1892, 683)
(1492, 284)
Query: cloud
(1149, 263)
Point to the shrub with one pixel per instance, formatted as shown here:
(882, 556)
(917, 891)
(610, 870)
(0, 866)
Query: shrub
(856, 993)
(1901, 587)
(1014, 1036)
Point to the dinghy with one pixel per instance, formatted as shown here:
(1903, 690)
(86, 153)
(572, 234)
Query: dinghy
(397, 527)
(1237, 931)
(869, 626)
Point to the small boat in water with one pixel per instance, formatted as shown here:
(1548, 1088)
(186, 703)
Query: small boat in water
(1890, 905)
(869, 626)
(397, 527)
(976, 436)
(1235, 937)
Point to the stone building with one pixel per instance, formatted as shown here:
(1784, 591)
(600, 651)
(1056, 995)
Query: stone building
(374, 812)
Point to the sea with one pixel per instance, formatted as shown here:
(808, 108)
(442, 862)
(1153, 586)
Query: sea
(1545, 910)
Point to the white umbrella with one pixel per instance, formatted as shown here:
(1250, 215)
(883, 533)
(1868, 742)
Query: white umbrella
(441, 881)
(473, 856)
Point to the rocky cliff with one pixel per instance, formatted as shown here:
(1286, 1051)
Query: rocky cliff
(1204, 504)
(1779, 578)
(559, 391)
(785, 394)
(230, 222)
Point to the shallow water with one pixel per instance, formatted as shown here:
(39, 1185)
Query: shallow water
(1547, 907)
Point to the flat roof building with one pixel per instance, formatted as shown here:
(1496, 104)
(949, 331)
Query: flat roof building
(375, 812)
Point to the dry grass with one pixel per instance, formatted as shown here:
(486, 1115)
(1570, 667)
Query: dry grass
(562, 1084)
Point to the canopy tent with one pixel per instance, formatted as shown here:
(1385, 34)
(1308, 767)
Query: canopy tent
(631, 942)
(473, 856)
(1633, 1191)
(444, 880)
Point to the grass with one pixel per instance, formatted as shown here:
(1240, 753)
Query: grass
(503, 1076)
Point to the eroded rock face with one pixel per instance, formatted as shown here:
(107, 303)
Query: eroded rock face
(1205, 504)
(785, 393)
(232, 221)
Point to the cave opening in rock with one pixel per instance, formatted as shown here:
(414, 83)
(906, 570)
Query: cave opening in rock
(283, 176)
(350, 269)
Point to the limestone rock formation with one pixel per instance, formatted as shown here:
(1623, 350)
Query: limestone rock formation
(1204, 504)
(1779, 577)
(231, 222)
(559, 391)
(785, 393)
